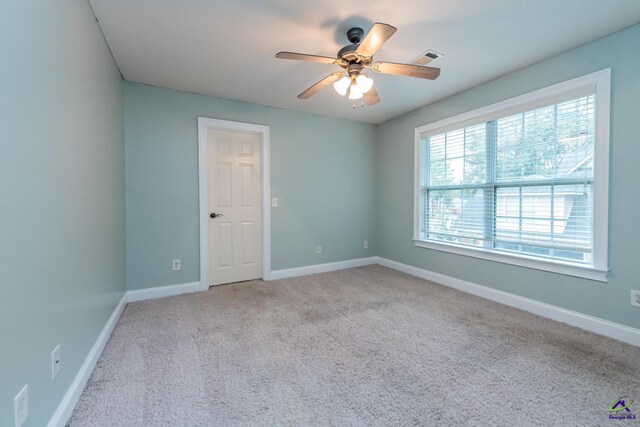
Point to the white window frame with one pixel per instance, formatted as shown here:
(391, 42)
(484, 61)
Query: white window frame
(601, 80)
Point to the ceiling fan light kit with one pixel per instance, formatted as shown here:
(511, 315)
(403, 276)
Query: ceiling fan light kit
(354, 58)
(342, 85)
(356, 86)
(355, 92)
(364, 82)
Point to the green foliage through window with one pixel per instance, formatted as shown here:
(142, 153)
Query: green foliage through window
(520, 183)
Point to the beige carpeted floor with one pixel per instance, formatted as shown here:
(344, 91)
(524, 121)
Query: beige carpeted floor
(366, 346)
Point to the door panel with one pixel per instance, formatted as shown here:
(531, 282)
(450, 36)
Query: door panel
(235, 234)
(224, 235)
(247, 185)
(248, 233)
(224, 184)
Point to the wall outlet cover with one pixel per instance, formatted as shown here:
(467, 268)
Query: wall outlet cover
(318, 249)
(635, 298)
(365, 244)
(175, 265)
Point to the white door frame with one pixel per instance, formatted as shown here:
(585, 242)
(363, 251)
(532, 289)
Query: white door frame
(204, 124)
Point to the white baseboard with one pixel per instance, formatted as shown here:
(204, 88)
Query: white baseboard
(583, 321)
(71, 397)
(599, 326)
(321, 268)
(163, 291)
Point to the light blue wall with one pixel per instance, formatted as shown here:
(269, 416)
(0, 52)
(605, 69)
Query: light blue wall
(322, 172)
(63, 116)
(610, 301)
(61, 196)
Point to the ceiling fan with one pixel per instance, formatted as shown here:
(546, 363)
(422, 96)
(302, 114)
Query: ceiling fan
(356, 57)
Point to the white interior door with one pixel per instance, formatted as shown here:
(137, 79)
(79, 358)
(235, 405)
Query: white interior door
(234, 206)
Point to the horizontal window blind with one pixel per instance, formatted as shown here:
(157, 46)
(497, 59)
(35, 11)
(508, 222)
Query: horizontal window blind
(515, 183)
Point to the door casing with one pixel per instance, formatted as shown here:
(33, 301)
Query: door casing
(204, 124)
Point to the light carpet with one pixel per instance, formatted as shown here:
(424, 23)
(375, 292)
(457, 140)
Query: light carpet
(365, 346)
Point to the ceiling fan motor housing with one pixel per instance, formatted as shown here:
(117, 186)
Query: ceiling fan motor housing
(354, 69)
(355, 35)
(348, 53)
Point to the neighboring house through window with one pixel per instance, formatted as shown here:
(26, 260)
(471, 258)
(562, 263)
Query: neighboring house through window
(524, 181)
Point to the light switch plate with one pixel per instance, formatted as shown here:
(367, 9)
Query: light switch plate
(55, 361)
(21, 406)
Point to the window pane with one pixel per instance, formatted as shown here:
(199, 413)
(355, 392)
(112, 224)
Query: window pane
(456, 216)
(437, 173)
(457, 157)
(554, 220)
(509, 147)
(475, 154)
(549, 142)
(520, 183)
(573, 216)
(507, 213)
(436, 147)
(455, 170)
(472, 216)
(455, 143)
(536, 202)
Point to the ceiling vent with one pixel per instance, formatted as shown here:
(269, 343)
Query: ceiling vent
(426, 57)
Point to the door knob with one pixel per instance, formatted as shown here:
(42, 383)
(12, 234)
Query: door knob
(213, 215)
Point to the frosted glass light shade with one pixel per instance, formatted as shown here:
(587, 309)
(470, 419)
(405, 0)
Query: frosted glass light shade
(364, 83)
(355, 92)
(342, 85)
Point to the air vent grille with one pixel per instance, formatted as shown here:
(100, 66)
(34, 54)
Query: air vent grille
(426, 57)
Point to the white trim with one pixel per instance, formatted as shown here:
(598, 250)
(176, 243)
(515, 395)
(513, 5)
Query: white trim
(583, 321)
(71, 397)
(162, 291)
(601, 80)
(600, 186)
(321, 268)
(204, 124)
(599, 326)
(417, 208)
(521, 260)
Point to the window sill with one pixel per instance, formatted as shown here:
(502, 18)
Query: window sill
(566, 268)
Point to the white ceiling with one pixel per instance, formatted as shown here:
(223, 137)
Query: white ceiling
(226, 48)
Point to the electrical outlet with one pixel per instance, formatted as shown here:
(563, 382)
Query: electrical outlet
(318, 249)
(175, 265)
(635, 298)
(55, 361)
(365, 244)
(21, 406)
(274, 202)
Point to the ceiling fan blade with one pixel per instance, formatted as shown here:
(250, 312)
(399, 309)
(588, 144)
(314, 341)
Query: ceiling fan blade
(375, 38)
(406, 70)
(320, 85)
(305, 57)
(371, 96)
